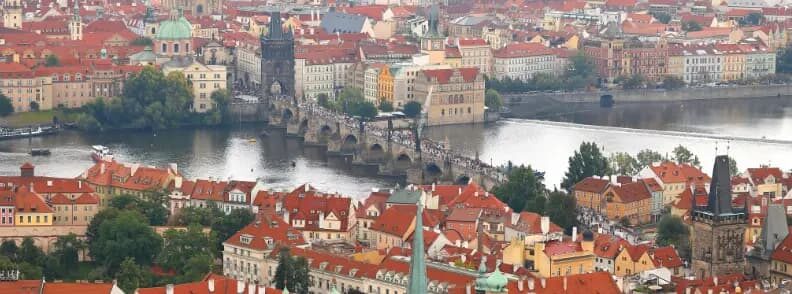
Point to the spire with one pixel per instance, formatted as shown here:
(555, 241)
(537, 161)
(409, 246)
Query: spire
(719, 200)
(418, 282)
(774, 229)
(434, 15)
(76, 11)
(275, 27)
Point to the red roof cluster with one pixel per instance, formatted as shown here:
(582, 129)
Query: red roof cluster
(265, 233)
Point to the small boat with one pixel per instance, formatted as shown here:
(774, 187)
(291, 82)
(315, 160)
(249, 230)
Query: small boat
(40, 152)
(100, 153)
(252, 140)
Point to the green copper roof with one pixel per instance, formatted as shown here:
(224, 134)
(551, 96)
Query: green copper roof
(496, 281)
(175, 29)
(418, 283)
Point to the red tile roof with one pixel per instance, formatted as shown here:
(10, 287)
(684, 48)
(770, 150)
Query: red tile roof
(632, 192)
(607, 246)
(758, 175)
(27, 201)
(666, 257)
(371, 11)
(133, 177)
(472, 42)
(553, 248)
(531, 223)
(783, 251)
(592, 185)
(395, 221)
(222, 285)
(307, 204)
(517, 50)
(34, 286)
(267, 228)
(670, 172)
(443, 76)
(464, 215)
(591, 283)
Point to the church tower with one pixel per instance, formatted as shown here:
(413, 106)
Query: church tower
(718, 228)
(433, 43)
(76, 24)
(277, 60)
(12, 14)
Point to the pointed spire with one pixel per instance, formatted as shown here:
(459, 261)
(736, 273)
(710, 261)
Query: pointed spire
(433, 21)
(76, 11)
(418, 283)
(719, 200)
(275, 26)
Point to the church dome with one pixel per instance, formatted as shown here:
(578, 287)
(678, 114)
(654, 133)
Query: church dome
(174, 29)
(496, 281)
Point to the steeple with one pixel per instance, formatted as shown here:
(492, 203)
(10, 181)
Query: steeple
(418, 283)
(434, 16)
(275, 27)
(76, 25)
(719, 200)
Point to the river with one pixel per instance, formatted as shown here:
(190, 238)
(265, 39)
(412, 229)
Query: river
(755, 131)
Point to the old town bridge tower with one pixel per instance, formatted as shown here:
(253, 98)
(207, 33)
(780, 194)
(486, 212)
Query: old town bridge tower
(277, 60)
(718, 228)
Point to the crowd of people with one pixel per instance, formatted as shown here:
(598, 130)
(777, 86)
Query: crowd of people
(437, 151)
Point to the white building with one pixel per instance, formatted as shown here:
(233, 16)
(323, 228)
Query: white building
(524, 60)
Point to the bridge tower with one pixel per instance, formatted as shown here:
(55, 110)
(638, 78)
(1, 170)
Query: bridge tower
(277, 60)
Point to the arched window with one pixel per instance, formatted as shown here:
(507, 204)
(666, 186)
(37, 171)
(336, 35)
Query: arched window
(164, 48)
(175, 48)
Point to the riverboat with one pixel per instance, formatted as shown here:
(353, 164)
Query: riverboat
(40, 152)
(8, 133)
(100, 153)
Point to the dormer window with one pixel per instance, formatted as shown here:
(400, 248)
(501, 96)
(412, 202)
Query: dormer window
(323, 265)
(245, 239)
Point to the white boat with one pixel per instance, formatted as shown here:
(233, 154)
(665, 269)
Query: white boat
(100, 153)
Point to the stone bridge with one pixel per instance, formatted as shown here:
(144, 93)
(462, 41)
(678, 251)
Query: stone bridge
(391, 151)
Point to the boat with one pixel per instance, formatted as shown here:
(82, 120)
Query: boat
(40, 152)
(101, 153)
(8, 133)
(252, 140)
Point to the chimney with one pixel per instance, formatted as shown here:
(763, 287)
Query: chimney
(434, 186)
(530, 284)
(574, 234)
(169, 289)
(468, 289)
(174, 167)
(101, 167)
(251, 288)
(521, 284)
(688, 290)
(261, 289)
(545, 225)
(709, 291)
(715, 280)
(49, 183)
(240, 287)
(565, 283)
(306, 187)
(210, 285)
(543, 281)
(459, 191)
(476, 194)
(79, 184)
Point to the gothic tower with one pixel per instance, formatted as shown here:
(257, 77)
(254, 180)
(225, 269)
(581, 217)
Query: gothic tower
(277, 60)
(433, 43)
(718, 228)
(76, 24)
(12, 14)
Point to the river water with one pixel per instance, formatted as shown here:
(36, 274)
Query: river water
(755, 131)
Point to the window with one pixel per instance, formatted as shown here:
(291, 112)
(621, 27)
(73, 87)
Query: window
(175, 48)
(164, 47)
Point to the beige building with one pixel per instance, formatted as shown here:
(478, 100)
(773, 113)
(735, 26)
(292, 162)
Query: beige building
(524, 60)
(244, 253)
(74, 211)
(25, 87)
(205, 79)
(455, 96)
(475, 53)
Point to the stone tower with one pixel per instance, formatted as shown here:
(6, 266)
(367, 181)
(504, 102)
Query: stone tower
(718, 228)
(76, 24)
(277, 60)
(433, 42)
(12, 14)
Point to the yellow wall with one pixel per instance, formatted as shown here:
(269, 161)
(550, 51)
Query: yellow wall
(385, 85)
(624, 265)
(33, 219)
(564, 264)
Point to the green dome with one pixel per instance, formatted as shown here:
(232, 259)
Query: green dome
(496, 281)
(178, 29)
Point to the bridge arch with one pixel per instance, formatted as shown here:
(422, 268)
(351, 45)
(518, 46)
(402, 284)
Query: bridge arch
(349, 144)
(403, 162)
(303, 127)
(376, 152)
(462, 180)
(325, 132)
(432, 172)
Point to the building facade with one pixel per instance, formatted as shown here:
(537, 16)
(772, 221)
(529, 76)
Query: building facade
(455, 96)
(277, 60)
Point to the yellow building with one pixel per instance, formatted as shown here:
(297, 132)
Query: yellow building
(781, 261)
(733, 61)
(31, 210)
(204, 79)
(393, 227)
(590, 193)
(562, 258)
(111, 178)
(75, 211)
(766, 181)
(385, 85)
(632, 260)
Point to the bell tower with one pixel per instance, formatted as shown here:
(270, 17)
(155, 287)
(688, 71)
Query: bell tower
(12, 14)
(75, 24)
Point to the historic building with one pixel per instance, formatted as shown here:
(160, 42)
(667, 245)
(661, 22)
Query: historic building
(774, 231)
(196, 7)
(718, 228)
(456, 96)
(433, 43)
(204, 79)
(12, 14)
(174, 36)
(277, 60)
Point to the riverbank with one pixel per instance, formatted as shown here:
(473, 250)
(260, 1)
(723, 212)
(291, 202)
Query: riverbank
(35, 118)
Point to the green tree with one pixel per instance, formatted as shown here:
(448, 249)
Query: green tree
(220, 99)
(646, 157)
(194, 215)
(635, 81)
(622, 163)
(6, 107)
(412, 109)
(66, 250)
(581, 72)
(522, 190)
(152, 206)
(284, 270)
(364, 109)
(130, 275)
(182, 245)
(733, 166)
(197, 267)
(784, 60)
(385, 106)
(126, 235)
(683, 155)
(493, 100)
(300, 275)
(30, 253)
(662, 17)
(672, 231)
(227, 225)
(51, 60)
(561, 208)
(9, 249)
(586, 162)
(691, 26)
(323, 100)
(672, 82)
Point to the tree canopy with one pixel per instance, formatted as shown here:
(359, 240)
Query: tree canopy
(51, 60)
(587, 161)
(352, 102)
(672, 82)
(691, 26)
(672, 231)
(683, 155)
(493, 99)
(622, 163)
(292, 273)
(412, 109)
(127, 234)
(6, 107)
(524, 191)
(190, 247)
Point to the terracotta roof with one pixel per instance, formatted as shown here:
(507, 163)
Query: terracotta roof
(758, 175)
(395, 221)
(670, 172)
(27, 201)
(783, 251)
(464, 215)
(725, 284)
(631, 192)
(132, 177)
(222, 285)
(443, 76)
(531, 223)
(307, 204)
(371, 11)
(607, 246)
(590, 283)
(34, 286)
(553, 248)
(636, 251)
(591, 184)
(472, 42)
(267, 229)
(517, 50)
(376, 200)
(666, 257)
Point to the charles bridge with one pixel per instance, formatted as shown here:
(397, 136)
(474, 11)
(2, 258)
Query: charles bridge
(390, 151)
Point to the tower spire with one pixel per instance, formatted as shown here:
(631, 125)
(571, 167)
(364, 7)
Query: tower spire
(418, 282)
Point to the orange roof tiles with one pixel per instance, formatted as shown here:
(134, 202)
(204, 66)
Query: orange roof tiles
(27, 201)
(666, 257)
(517, 50)
(592, 185)
(267, 228)
(591, 283)
(670, 172)
(758, 175)
(553, 248)
(631, 192)
(443, 76)
(395, 221)
(607, 246)
(530, 223)
(222, 285)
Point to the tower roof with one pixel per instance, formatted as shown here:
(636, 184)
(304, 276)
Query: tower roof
(418, 283)
(434, 15)
(176, 28)
(719, 200)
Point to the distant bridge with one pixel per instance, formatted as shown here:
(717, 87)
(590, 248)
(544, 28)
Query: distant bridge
(392, 151)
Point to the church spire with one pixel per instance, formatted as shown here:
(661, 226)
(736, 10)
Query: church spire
(418, 282)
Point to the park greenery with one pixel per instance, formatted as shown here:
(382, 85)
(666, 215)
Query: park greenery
(292, 272)
(412, 109)
(150, 100)
(51, 60)
(493, 100)
(587, 161)
(662, 17)
(580, 74)
(525, 191)
(691, 26)
(351, 102)
(6, 107)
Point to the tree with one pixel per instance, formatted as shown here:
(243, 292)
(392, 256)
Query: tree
(561, 208)
(672, 82)
(733, 166)
(364, 109)
(9, 249)
(67, 251)
(683, 155)
(672, 231)
(522, 190)
(691, 26)
(635, 81)
(412, 109)
(284, 269)
(586, 162)
(493, 100)
(580, 73)
(292, 273)
(228, 225)
(130, 275)
(29, 252)
(51, 60)
(152, 206)
(126, 235)
(784, 60)
(220, 99)
(191, 215)
(197, 267)
(662, 17)
(6, 107)
(385, 106)
(646, 157)
(323, 100)
(34, 106)
(622, 163)
(180, 246)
